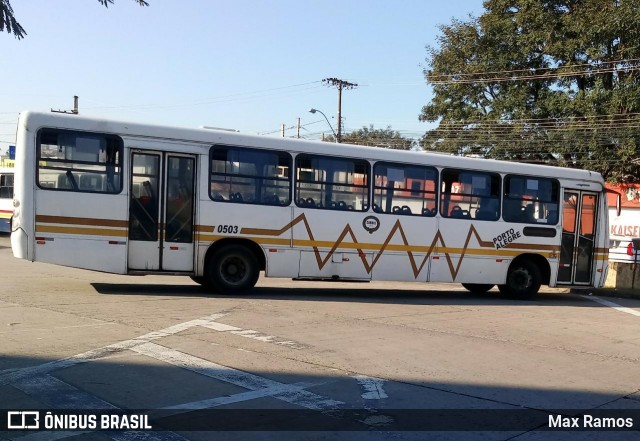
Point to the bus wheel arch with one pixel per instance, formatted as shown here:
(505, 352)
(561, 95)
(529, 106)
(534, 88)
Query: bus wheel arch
(525, 275)
(233, 265)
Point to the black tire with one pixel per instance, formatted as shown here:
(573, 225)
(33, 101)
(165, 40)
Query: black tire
(477, 288)
(523, 280)
(232, 269)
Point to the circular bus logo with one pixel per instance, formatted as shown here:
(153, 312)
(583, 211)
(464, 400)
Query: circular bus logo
(371, 224)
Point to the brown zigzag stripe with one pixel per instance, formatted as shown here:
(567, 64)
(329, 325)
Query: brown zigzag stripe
(397, 227)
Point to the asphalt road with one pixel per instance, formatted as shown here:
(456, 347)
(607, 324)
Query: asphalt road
(312, 360)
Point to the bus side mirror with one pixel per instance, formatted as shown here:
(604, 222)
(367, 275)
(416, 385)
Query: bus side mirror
(618, 201)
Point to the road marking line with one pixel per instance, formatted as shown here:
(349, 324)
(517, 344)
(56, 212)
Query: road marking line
(240, 397)
(237, 377)
(613, 305)
(36, 381)
(254, 335)
(58, 394)
(220, 327)
(372, 386)
(11, 375)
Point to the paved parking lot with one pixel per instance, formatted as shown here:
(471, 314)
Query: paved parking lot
(323, 361)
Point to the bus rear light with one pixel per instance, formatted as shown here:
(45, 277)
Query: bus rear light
(499, 260)
(273, 250)
(630, 250)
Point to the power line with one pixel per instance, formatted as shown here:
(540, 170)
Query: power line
(627, 65)
(242, 96)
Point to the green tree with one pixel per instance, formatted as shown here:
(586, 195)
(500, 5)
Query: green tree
(370, 136)
(552, 81)
(9, 23)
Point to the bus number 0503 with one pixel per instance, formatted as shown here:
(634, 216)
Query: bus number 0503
(231, 229)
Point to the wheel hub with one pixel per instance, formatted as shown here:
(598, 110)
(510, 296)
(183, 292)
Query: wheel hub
(521, 279)
(233, 270)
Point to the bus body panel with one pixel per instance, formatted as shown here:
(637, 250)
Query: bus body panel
(467, 254)
(226, 221)
(329, 244)
(66, 231)
(87, 230)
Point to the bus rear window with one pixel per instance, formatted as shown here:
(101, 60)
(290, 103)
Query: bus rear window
(79, 161)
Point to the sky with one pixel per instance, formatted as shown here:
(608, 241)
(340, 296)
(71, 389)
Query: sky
(248, 65)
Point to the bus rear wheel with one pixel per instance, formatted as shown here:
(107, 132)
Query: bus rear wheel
(523, 280)
(232, 269)
(477, 288)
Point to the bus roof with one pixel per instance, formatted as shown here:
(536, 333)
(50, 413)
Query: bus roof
(37, 120)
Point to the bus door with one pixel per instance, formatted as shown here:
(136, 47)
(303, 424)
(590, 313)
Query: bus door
(579, 214)
(161, 211)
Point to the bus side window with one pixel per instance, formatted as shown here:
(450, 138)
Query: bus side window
(470, 194)
(404, 189)
(326, 182)
(79, 161)
(249, 176)
(530, 200)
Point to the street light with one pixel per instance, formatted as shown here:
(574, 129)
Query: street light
(312, 110)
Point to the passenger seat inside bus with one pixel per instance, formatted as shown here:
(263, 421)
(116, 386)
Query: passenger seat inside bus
(272, 199)
(236, 197)
(486, 214)
(459, 213)
(91, 182)
(405, 209)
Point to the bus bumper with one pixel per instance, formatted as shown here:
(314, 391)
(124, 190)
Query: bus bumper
(20, 244)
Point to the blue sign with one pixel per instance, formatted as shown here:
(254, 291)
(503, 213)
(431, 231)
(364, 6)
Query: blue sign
(12, 152)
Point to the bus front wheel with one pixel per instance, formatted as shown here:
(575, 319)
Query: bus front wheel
(231, 269)
(523, 280)
(477, 288)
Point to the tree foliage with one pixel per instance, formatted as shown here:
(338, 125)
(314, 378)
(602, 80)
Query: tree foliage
(370, 136)
(9, 23)
(546, 81)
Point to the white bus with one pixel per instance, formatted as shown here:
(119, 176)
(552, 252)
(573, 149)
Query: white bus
(6, 199)
(221, 207)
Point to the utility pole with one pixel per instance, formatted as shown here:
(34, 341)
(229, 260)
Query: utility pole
(339, 84)
(298, 128)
